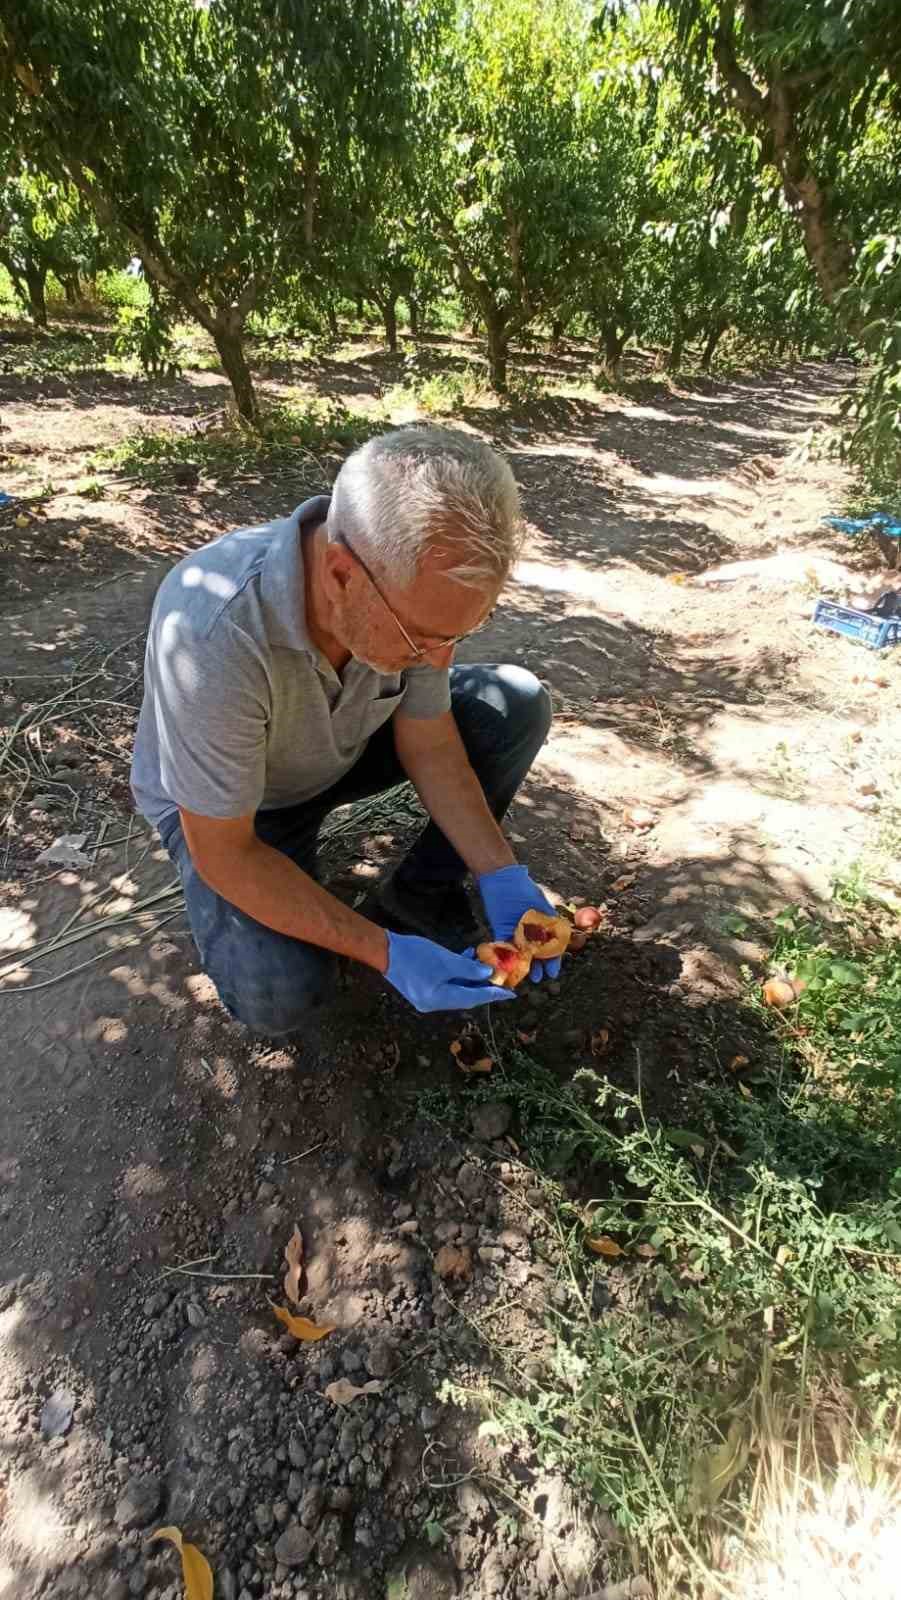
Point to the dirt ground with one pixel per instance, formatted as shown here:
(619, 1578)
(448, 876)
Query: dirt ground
(154, 1159)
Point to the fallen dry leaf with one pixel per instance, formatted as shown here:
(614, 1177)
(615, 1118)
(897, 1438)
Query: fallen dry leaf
(453, 1264)
(625, 882)
(605, 1246)
(737, 1062)
(640, 818)
(302, 1327)
(294, 1262)
(600, 1040)
(195, 1568)
(342, 1391)
(646, 1251)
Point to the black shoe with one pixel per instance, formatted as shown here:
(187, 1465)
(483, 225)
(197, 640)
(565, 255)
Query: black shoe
(439, 911)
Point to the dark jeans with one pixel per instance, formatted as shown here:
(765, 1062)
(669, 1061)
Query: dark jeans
(267, 979)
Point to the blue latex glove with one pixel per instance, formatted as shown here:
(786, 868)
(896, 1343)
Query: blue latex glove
(506, 895)
(435, 979)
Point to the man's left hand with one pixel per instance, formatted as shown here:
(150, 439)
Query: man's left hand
(507, 894)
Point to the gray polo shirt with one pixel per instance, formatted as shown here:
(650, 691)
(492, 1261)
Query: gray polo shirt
(241, 711)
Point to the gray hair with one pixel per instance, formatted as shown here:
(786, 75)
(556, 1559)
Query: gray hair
(420, 489)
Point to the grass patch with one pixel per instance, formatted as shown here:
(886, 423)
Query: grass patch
(438, 394)
(725, 1369)
(229, 445)
(57, 354)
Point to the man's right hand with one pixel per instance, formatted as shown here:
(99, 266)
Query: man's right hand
(435, 979)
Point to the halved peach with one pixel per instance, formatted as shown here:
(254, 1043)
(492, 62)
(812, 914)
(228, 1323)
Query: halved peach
(510, 965)
(542, 936)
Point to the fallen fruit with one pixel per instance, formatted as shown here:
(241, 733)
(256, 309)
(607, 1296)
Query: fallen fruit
(640, 817)
(778, 992)
(588, 918)
(510, 966)
(543, 936)
(578, 940)
(471, 1052)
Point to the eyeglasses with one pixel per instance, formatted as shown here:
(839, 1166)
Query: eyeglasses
(416, 649)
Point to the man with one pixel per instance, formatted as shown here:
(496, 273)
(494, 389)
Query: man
(293, 667)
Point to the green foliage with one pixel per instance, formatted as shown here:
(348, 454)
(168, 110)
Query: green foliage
(145, 335)
(285, 434)
(753, 1243)
(874, 445)
(850, 1010)
(439, 394)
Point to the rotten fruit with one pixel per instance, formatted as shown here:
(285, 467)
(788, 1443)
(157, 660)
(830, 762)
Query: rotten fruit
(510, 966)
(542, 936)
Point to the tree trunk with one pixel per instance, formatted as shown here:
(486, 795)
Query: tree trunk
(677, 348)
(230, 345)
(71, 289)
(558, 329)
(498, 350)
(413, 310)
(360, 307)
(614, 343)
(775, 115)
(713, 339)
(388, 309)
(332, 320)
(36, 283)
(475, 328)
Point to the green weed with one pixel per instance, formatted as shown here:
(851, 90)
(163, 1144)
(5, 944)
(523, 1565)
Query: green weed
(285, 433)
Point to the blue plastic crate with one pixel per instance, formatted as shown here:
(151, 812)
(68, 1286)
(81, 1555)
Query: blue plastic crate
(865, 627)
(879, 522)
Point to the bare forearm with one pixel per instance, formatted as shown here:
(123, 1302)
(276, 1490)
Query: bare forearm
(454, 799)
(270, 887)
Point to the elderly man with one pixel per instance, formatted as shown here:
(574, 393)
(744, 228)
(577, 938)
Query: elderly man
(294, 667)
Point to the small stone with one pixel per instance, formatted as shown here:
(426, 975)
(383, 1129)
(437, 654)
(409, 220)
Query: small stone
(117, 1589)
(266, 1191)
(470, 1180)
(409, 1228)
(490, 1254)
(328, 1543)
(311, 1506)
(294, 1547)
(226, 1584)
(341, 1499)
(263, 1517)
(156, 1304)
(491, 1120)
(139, 1503)
(295, 1486)
(445, 1231)
(403, 1211)
(351, 1359)
(430, 1417)
(297, 1450)
(44, 802)
(56, 1416)
(380, 1359)
(194, 1314)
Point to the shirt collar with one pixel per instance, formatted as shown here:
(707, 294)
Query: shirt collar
(282, 587)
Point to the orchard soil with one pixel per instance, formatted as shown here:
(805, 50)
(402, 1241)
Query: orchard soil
(154, 1159)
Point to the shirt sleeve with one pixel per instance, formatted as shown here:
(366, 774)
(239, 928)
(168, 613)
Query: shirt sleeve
(427, 693)
(210, 698)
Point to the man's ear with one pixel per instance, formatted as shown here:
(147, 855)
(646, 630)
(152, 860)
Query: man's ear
(338, 566)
